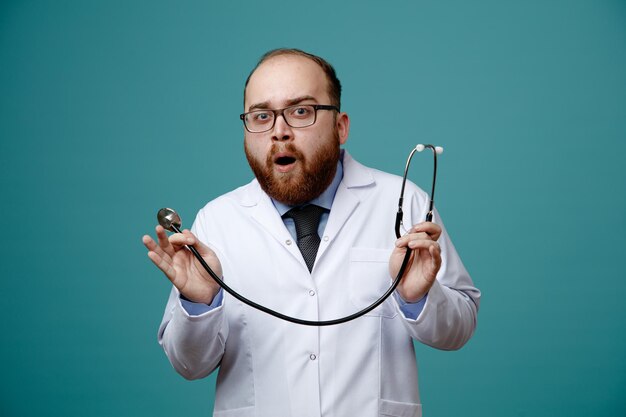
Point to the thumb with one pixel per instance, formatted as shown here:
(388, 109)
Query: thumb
(192, 240)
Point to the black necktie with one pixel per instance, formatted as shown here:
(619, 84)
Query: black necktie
(307, 220)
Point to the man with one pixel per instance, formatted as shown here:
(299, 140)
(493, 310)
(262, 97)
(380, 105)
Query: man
(293, 129)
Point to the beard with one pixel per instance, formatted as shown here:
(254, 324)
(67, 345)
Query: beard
(306, 181)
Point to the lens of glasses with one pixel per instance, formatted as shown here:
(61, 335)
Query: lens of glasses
(295, 116)
(299, 116)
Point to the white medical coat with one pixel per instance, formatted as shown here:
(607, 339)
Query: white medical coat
(272, 368)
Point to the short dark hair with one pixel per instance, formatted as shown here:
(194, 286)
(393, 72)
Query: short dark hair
(334, 86)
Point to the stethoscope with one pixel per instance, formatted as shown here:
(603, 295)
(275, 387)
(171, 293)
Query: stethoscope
(170, 220)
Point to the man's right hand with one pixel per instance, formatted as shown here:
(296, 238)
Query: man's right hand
(180, 265)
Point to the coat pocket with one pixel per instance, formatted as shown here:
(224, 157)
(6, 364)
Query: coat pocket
(397, 409)
(369, 279)
(237, 412)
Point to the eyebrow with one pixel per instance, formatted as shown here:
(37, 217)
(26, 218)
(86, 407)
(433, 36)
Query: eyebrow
(290, 102)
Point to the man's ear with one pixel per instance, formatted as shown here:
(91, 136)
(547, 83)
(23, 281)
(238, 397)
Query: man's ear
(343, 127)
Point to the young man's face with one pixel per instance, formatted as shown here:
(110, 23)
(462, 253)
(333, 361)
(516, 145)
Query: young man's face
(293, 165)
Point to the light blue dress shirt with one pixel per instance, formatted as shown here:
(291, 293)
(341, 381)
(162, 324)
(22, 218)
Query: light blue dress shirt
(325, 200)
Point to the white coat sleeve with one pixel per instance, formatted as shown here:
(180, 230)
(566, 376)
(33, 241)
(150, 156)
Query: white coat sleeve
(448, 318)
(194, 344)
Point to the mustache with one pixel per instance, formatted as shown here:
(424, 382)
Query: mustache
(278, 148)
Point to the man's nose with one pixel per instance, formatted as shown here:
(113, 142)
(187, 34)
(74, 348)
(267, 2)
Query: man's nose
(282, 131)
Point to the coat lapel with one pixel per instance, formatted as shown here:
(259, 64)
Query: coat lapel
(264, 213)
(356, 180)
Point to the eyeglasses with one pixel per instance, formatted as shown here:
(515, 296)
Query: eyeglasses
(300, 115)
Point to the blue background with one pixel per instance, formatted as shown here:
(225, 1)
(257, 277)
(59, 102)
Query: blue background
(110, 110)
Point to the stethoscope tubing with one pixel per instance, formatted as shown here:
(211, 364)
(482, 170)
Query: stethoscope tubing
(379, 301)
(296, 320)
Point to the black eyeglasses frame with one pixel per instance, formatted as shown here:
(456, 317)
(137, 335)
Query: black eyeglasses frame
(280, 112)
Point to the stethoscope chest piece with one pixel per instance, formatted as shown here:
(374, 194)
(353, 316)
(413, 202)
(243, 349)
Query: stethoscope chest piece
(169, 219)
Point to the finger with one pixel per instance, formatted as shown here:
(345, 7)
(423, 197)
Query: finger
(163, 263)
(164, 242)
(182, 239)
(404, 240)
(430, 257)
(433, 230)
(161, 236)
(148, 242)
(435, 253)
(426, 227)
(197, 243)
(152, 246)
(423, 244)
(190, 236)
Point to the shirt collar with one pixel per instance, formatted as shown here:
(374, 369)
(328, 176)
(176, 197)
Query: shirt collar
(324, 200)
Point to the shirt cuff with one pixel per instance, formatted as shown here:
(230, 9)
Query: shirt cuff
(196, 309)
(411, 310)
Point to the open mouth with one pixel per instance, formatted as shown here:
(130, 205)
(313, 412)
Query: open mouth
(285, 160)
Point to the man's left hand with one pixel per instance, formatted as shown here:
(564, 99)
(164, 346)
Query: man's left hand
(423, 264)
